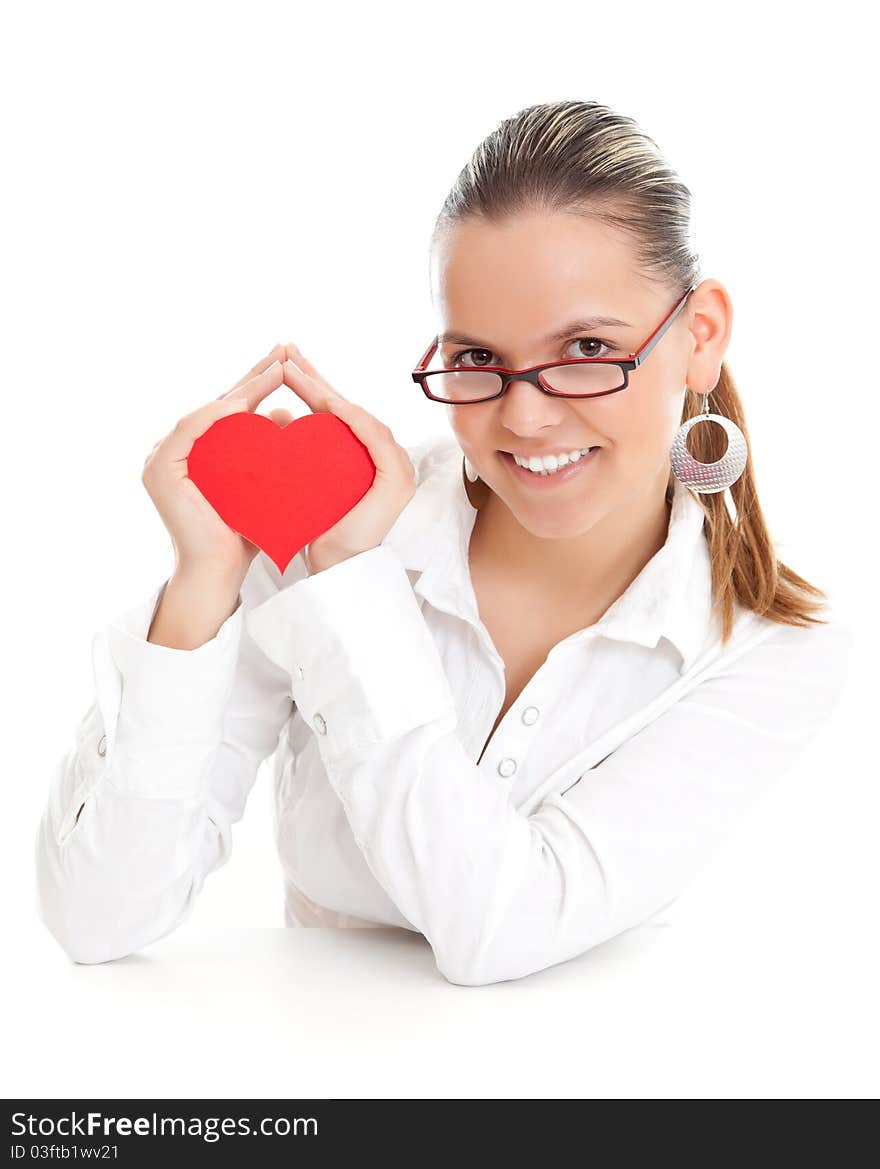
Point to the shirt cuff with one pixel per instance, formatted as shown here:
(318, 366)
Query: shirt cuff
(171, 702)
(364, 667)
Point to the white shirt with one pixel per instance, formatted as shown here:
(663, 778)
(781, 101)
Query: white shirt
(629, 757)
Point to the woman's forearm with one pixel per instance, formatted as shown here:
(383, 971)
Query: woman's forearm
(192, 609)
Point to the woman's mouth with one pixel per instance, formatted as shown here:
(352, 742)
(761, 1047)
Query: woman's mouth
(544, 479)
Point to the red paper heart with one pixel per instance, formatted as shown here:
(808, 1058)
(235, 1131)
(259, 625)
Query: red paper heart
(281, 486)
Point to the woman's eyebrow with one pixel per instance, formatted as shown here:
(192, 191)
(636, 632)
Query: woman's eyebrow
(583, 325)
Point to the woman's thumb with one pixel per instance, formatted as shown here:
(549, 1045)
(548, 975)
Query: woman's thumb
(281, 417)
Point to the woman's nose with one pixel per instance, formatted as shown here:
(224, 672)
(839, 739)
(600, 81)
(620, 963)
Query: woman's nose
(525, 405)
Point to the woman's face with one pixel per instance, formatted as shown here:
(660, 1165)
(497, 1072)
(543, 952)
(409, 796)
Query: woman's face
(509, 286)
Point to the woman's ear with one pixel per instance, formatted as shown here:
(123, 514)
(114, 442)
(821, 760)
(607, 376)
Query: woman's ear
(710, 312)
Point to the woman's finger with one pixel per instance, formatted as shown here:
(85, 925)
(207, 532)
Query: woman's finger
(317, 395)
(258, 387)
(295, 354)
(179, 441)
(277, 353)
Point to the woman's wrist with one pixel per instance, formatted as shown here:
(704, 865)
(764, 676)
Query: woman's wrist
(192, 609)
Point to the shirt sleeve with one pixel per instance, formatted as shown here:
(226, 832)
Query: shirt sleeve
(500, 894)
(141, 808)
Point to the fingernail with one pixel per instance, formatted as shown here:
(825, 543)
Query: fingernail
(272, 366)
(290, 361)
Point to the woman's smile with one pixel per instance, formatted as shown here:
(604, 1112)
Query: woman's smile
(543, 480)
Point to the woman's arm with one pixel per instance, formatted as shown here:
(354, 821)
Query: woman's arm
(500, 894)
(141, 808)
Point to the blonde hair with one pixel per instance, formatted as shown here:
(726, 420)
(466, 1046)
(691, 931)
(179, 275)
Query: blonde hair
(582, 157)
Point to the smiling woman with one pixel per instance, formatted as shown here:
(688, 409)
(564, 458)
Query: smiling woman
(527, 708)
(567, 212)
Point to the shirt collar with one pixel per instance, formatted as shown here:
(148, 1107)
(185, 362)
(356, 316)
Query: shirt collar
(671, 597)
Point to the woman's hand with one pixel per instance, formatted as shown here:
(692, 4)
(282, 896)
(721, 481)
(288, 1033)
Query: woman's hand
(204, 546)
(373, 516)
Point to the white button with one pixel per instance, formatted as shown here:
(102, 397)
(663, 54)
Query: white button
(507, 767)
(102, 745)
(530, 715)
(320, 725)
(300, 672)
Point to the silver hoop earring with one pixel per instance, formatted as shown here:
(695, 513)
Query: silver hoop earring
(707, 478)
(469, 470)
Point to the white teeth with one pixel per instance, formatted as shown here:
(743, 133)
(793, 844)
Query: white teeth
(547, 464)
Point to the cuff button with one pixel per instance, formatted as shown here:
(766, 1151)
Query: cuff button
(320, 725)
(102, 746)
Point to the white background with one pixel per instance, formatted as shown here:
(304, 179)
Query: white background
(188, 184)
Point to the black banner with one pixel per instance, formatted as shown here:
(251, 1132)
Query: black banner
(137, 1132)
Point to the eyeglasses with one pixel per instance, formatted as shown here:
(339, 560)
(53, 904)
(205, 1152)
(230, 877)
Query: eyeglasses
(584, 377)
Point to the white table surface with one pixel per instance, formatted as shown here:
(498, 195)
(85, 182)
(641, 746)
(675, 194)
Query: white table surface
(680, 1009)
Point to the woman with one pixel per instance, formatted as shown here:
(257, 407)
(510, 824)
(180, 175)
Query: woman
(522, 707)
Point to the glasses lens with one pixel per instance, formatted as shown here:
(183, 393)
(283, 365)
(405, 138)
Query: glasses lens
(471, 385)
(583, 379)
(464, 385)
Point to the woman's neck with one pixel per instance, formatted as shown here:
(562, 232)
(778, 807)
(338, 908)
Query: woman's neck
(585, 573)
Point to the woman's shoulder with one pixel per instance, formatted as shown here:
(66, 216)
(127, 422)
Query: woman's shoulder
(831, 632)
(800, 660)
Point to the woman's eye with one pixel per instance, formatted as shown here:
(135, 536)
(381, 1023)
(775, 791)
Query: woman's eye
(456, 358)
(591, 341)
(586, 348)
